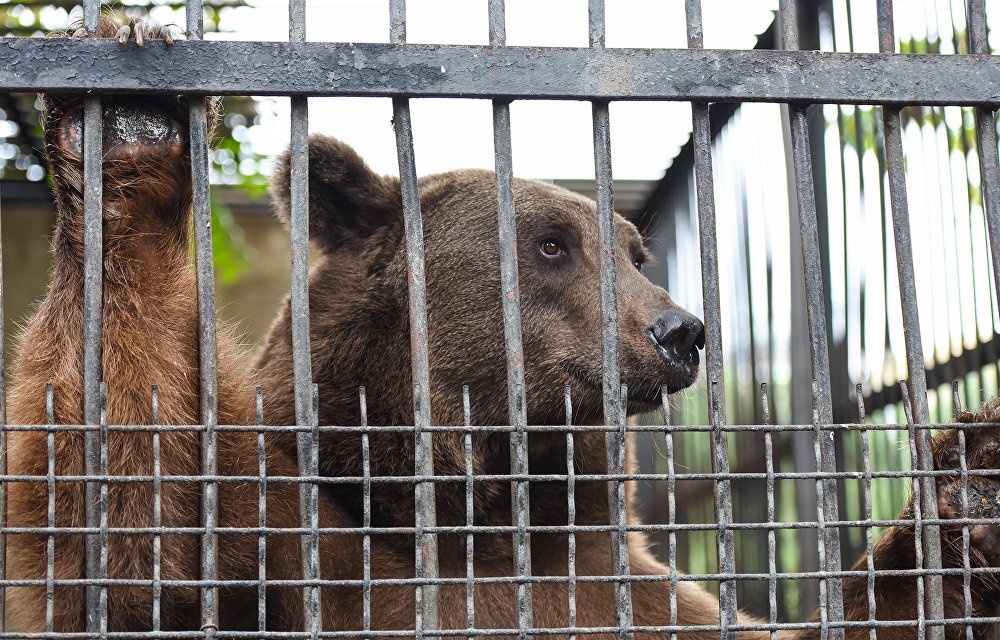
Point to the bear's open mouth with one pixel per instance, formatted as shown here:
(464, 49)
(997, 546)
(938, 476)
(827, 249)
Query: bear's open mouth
(131, 128)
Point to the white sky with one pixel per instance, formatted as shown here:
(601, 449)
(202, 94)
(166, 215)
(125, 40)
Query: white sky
(551, 139)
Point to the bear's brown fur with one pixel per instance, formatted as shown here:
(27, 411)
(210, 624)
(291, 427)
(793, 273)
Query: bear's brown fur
(150, 336)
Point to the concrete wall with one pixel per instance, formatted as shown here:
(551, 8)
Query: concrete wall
(250, 302)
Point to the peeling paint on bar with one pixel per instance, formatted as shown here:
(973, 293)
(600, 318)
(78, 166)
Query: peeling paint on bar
(332, 69)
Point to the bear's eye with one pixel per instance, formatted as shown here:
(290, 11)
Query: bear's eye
(637, 262)
(551, 248)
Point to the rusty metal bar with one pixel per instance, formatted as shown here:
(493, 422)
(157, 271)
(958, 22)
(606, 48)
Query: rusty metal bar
(207, 342)
(470, 511)
(301, 354)
(614, 411)
(986, 138)
(92, 348)
(917, 384)
(415, 70)
(157, 509)
(570, 511)
(425, 551)
(514, 347)
(831, 594)
(714, 368)
(614, 391)
(261, 514)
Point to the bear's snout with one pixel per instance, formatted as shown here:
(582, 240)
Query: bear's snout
(677, 336)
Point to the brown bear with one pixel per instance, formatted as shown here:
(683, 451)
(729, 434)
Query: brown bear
(149, 336)
(360, 336)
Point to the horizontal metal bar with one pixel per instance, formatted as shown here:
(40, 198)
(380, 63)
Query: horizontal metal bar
(505, 428)
(515, 477)
(505, 580)
(418, 70)
(463, 632)
(509, 529)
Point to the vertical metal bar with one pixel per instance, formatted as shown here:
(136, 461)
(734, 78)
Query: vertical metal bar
(964, 484)
(3, 452)
(470, 513)
(924, 461)
(366, 488)
(715, 379)
(570, 512)
(614, 412)
(989, 167)
(827, 510)
(918, 518)
(302, 363)
(313, 517)
(157, 509)
(966, 562)
(261, 515)
(986, 137)
(671, 508)
(103, 508)
(867, 497)
(92, 309)
(208, 396)
(511, 303)
(821, 528)
(426, 543)
(772, 568)
(50, 543)
(426, 559)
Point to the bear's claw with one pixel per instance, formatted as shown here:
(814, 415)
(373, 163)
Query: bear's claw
(143, 29)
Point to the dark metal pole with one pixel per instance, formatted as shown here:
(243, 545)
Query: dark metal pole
(927, 508)
(426, 554)
(714, 372)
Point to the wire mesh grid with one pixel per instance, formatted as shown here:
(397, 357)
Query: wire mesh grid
(363, 578)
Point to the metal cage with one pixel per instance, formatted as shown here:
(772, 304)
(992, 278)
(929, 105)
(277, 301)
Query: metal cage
(793, 78)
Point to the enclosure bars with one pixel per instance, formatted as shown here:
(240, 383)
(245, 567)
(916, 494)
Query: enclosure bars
(989, 167)
(3, 456)
(50, 541)
(927, 505)
(964, 483)
(207, 349)
(306, 441)
(671, 509)
(614, 410)
(714, 372)
(92, 309)
(570, 513)
(986, 137)
(426, 555)
(514, 347)
(772, 569)
(261, 515)
(831, 604)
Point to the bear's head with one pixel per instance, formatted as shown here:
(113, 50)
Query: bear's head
(360, 297)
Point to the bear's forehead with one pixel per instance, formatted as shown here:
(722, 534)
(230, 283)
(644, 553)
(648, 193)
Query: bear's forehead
(536, 204)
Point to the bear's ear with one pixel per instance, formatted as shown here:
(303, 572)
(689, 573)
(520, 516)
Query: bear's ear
(348, 202)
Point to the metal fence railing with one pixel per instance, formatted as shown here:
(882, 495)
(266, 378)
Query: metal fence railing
(434, 567)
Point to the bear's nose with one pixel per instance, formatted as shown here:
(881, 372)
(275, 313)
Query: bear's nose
(677, 335)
